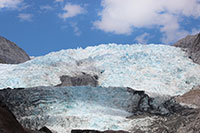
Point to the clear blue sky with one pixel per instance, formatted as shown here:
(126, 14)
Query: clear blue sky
(42, 26)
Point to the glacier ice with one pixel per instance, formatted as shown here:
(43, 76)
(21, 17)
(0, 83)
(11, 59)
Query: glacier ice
(156, 69)
(65, 108)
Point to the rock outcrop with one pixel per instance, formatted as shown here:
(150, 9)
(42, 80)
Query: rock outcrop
(154, 106)
(10, 53)
(8, 122)
(191, 43)
(80, 80)
(185, 121)
(45, 130)
(190, 98)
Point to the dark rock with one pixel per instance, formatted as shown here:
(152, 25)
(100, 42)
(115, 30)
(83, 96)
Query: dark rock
(184, 120)
(45, 129)
(186, 42)
(8, 123)
(191, 43)
(172, 106)
(10, 53)
(80, 80)
(85, 131)
(95, 131)
(154, 106)
(33, 131)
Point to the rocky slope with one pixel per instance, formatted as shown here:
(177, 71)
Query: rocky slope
(191, 43)
(185, 121)
(10, 53)
(80, 80)
(190, 98)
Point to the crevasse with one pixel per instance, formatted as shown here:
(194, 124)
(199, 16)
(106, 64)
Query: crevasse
(157, 69)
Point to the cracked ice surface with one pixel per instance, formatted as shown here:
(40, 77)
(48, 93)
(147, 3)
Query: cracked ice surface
(65, 108)
(156, 69)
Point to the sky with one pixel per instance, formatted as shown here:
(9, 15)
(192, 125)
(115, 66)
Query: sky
(43, 26)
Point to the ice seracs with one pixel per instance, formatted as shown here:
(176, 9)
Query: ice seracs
(62, 109)
(156, 69)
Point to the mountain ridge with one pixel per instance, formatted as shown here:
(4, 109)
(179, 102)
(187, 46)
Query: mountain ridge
(191, 44)
(10, 53)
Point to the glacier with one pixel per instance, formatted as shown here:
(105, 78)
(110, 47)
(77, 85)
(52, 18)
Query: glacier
(62, 109)
(156, 69)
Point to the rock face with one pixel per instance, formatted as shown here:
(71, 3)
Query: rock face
(8, 122)
(45, 129)
(10, 53)
(190, 122)
(186, 121)
(190, 98)
(80, 80)
(192, 45)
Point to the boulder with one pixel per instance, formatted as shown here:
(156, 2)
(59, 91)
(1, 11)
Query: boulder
(45, 129)
(10, 53)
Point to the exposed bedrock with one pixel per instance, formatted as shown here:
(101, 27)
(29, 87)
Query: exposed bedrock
(192, 45)
(80, 80)
(10, 53)
(8, 122)
(185, 121)
(158, 106)
(45, 130)
(190, 98)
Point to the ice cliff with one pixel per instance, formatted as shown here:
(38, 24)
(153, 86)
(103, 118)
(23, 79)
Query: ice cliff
(65, 108)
